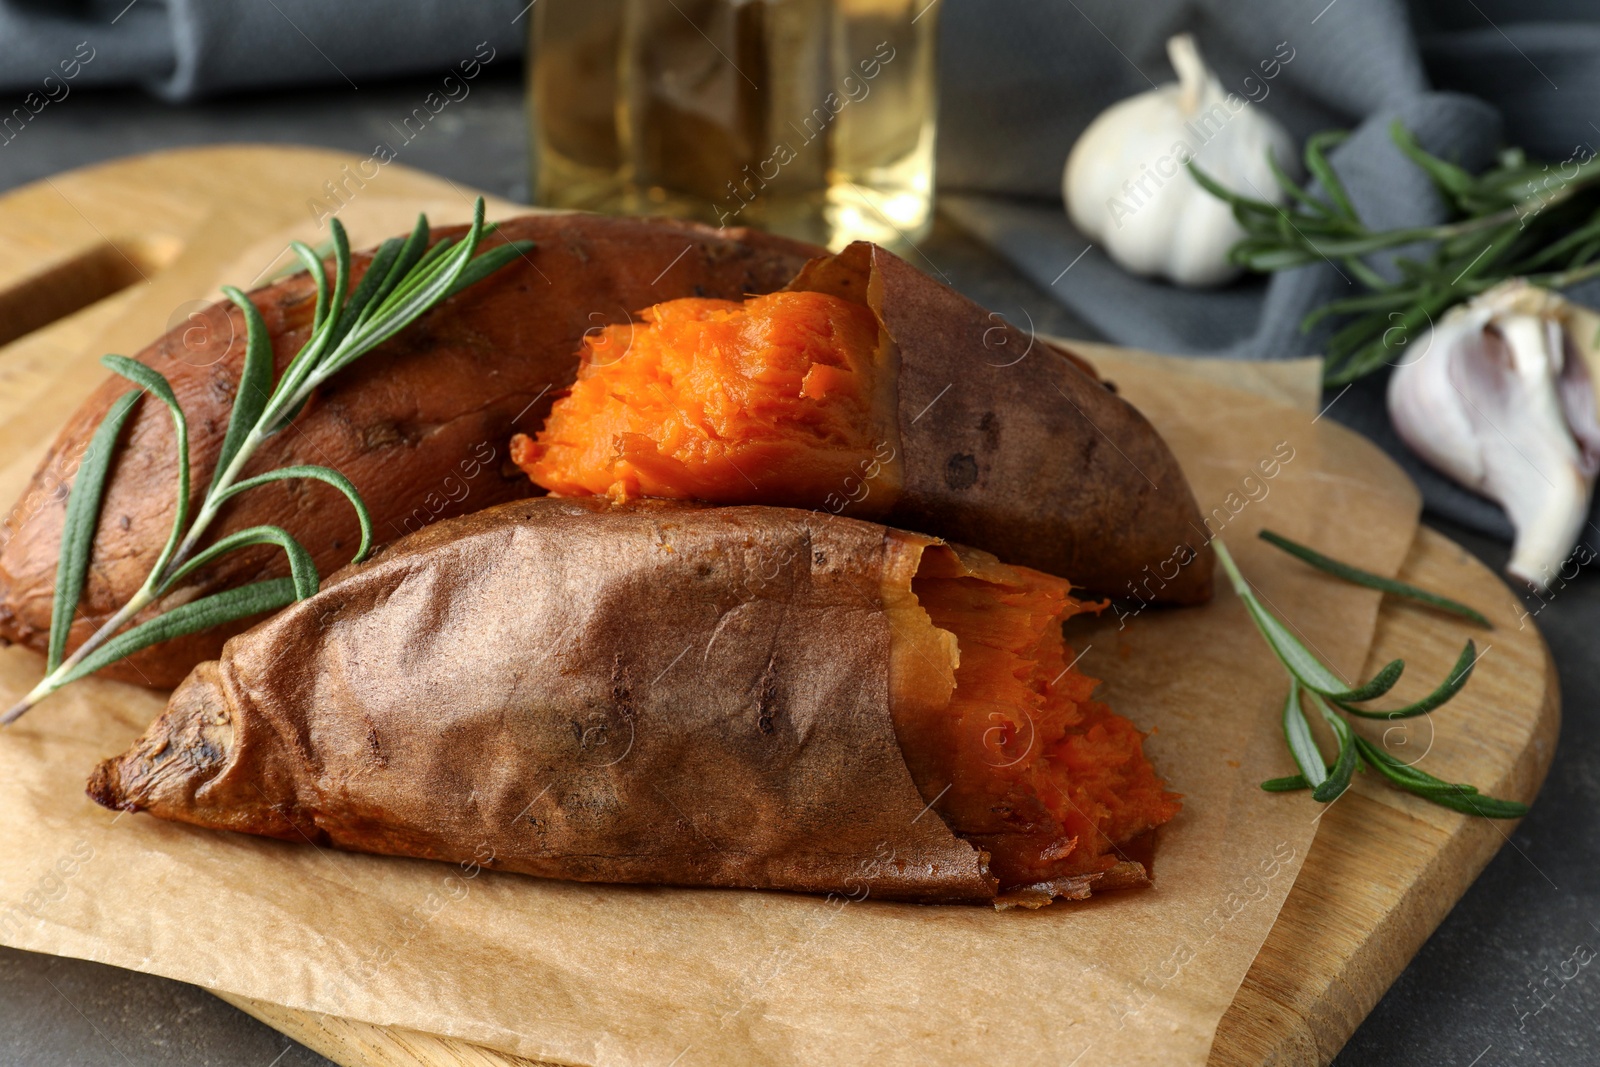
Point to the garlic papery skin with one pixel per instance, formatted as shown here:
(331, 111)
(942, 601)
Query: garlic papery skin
(1501, 398)
(1127, 188)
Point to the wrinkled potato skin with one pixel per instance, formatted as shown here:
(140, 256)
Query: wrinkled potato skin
(656, 693)
(420, 425)
(1016, 447)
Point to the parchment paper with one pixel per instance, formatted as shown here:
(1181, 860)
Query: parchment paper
(586, 974)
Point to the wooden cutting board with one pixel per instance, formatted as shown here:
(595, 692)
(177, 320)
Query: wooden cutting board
(109, 257)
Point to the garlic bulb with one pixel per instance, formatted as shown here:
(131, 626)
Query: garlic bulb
(1502, 399)
(1126, 185)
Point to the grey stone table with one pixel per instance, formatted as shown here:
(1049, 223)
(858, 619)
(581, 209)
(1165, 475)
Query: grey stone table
(1459, 1004)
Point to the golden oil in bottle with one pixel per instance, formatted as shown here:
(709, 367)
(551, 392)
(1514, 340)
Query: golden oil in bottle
(813, 118)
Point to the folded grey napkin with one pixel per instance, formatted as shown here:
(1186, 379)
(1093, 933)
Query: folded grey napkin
(186, 49)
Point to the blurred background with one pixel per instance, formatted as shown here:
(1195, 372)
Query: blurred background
(942, 128)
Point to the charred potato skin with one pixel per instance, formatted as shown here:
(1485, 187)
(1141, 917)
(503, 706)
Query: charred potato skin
(420, 426)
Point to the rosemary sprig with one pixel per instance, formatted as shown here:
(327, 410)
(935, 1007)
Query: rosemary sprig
(1373, 581)
(405, 278)
(1310, 681)
(1518, 218)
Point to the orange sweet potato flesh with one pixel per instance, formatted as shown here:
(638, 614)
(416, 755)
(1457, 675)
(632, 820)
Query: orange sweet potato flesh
(867, 388)
(1022, 761)
(421, 426)
(766, 401)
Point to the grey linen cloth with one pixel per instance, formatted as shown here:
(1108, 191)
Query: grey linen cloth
(187, 49)
(1020, 79)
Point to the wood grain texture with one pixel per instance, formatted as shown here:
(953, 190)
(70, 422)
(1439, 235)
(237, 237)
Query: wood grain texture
(1385, 867)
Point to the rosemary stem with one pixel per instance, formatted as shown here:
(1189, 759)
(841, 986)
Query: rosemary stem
(1379, 242)
(213, 501)
(1563, 279)
(147, 593)
(413, 282)
(1224, 557)
(53, 681)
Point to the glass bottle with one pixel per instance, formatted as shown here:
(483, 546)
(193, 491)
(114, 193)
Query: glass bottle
(813, 118)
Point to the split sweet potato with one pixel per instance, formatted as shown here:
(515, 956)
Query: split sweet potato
(421, 426)
(670, 694)
(867, 388)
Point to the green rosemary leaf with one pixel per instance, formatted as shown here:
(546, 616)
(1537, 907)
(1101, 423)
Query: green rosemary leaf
(302, 569)
(313, 265)
(1388, 300)
(1364, 244)
(410, 252)
(1411, 269)
(1294, 189)
(1453, 181)
(326, 326)
(305, 360)
(1338, 778)
(1288, 233)
(155, 382)
(434, 253)
(1254, 244)
(77, 529)
(489, 262)
(330, 313)
(323, 248)
(325, 475)
(1485, 258)
(1578, 238)
(1302, 745)
(400, 307)
(323, 339)
(377, 269)
(1586, 253)
(1442, 695)
(1364, 274)
(1300, 661)
(1271, 260)
(1463, 798)
(341, 275)
(1390, 340)
(1475, 803)
(1406, 776)
(1354, 335)
(197, 615)
(1372, 581)
(255, 383)
(426, 270)
(1318, 166)
(1286, 785)
(1244, 207)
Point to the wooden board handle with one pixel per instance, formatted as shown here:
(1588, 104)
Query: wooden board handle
(83, 277)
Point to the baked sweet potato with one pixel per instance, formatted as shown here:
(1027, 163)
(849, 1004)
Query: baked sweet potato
(867, 388)
(670, 694)
(421, 426)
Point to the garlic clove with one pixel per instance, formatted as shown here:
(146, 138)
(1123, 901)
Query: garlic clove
(1126, 185)
(1502, 399)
